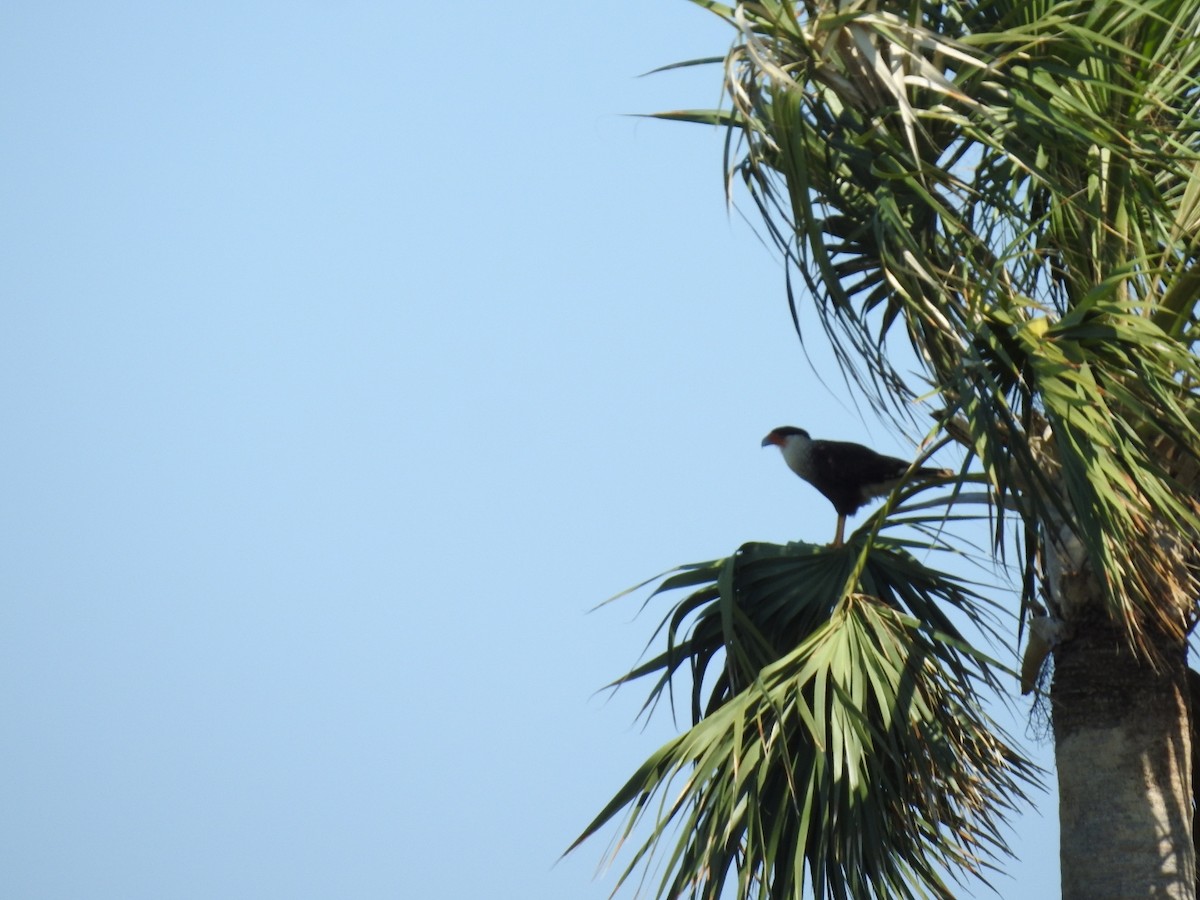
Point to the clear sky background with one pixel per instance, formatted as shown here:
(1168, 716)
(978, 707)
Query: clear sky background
(350, 352)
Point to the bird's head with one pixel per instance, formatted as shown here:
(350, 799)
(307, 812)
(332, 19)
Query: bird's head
(785, 435)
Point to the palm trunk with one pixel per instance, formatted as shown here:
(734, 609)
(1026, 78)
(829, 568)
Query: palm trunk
(1123, 751)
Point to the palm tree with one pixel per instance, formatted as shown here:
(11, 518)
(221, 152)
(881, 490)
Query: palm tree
(1010, 190)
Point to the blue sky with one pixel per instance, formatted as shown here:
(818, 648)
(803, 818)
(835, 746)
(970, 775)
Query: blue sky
(351, 352)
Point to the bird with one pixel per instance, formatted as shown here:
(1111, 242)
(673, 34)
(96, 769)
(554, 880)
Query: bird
(849, 475)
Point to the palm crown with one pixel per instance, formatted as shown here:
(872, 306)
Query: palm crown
(1011, 190)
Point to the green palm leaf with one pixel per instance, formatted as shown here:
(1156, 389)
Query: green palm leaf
(1012, 190)
(837, 742)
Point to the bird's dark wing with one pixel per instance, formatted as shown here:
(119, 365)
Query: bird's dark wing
(849, 475)
(846, 463)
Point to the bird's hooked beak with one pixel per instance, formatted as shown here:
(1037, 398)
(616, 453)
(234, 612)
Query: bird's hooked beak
(772, 438)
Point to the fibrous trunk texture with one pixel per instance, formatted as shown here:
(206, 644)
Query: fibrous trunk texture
(1123, 752)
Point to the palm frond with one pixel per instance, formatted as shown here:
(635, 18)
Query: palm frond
(1013, 190)
(838, 743)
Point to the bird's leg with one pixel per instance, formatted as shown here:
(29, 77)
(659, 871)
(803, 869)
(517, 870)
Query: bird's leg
(837, 541)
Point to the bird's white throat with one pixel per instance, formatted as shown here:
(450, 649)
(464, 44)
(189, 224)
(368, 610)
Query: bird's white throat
(797, 453)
